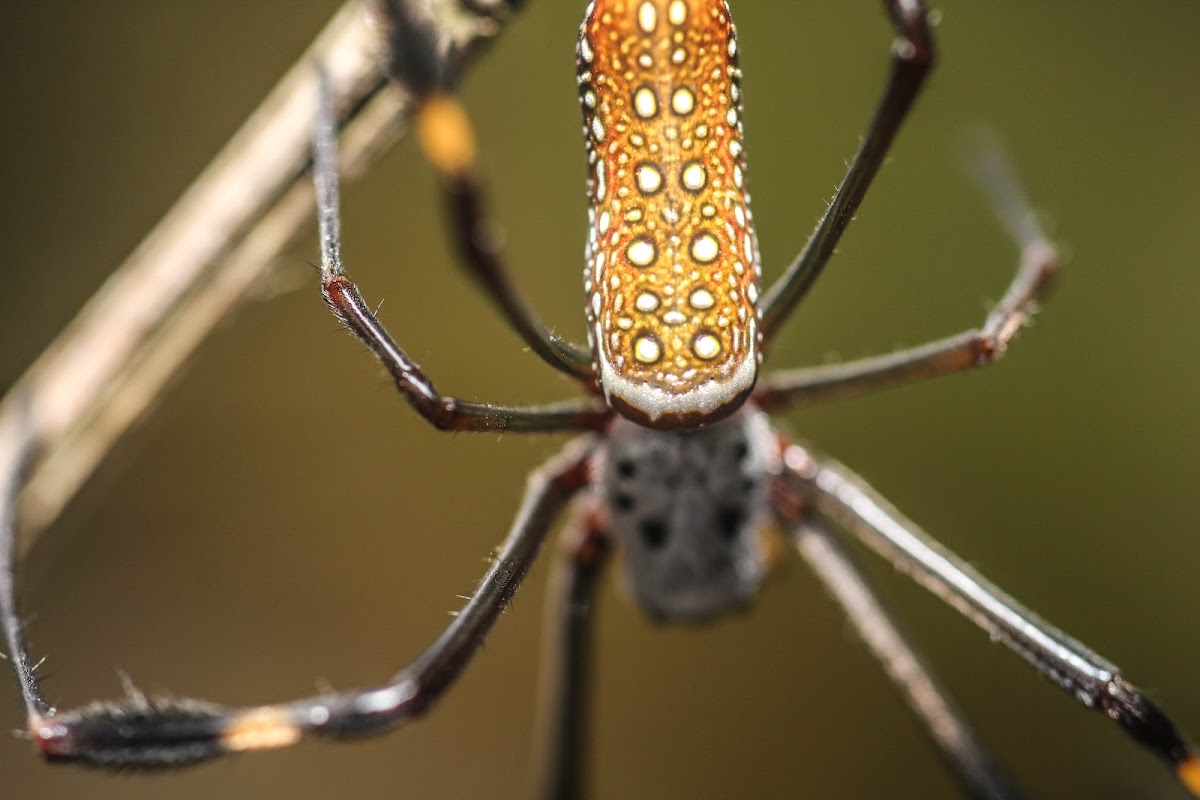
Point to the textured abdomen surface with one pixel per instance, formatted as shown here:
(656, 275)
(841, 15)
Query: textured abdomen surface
(672, 273)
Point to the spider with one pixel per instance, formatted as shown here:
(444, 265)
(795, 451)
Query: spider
(681, 465)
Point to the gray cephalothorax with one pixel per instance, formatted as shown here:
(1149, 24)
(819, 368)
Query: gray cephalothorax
(685, 508)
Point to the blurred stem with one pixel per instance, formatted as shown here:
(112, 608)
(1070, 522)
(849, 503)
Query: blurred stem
(107, 367)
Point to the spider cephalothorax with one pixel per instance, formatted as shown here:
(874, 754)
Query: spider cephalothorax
(685, 508)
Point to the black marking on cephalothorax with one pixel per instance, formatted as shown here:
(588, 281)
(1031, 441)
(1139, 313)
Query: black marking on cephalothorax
(653, 532)
(686, 507)
(729, 522)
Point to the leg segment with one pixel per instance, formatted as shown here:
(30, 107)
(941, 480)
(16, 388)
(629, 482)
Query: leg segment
(445, 134)
(342, 296)
(839, 495)
(566, 659)
(974, 348)
(143, 732)
(12, 478)
(912, 56)
(940, 718)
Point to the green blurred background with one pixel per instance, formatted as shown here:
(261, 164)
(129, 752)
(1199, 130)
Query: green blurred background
(284, 520)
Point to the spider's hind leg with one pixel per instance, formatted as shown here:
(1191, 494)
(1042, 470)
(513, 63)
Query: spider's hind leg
(344, 299)
(912, 57)
(419, 61)
(1036, 269)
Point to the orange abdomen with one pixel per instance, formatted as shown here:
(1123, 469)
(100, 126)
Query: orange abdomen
(673, 268)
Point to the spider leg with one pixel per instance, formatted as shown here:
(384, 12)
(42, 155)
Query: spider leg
(343, 298)
(563, 702)
(974, 348)
(446, 137)
(12, 478)
(912, 56)
(142, 732)
(939, 716)
(839, 495)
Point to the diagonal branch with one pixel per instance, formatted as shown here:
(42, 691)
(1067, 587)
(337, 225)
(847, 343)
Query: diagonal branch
(110, 363)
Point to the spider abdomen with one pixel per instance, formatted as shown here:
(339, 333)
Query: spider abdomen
(672, 259)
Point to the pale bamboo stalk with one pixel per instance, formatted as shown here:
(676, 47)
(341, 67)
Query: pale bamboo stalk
(109, 364)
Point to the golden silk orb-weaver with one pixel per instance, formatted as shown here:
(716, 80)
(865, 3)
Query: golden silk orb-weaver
(672, 259)
(679, 465)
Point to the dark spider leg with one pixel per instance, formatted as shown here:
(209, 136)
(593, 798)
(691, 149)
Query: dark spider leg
(12, 479)
(975, 348)
(930, 702)
(444, 413)
(912, 56)
(839, 495)
(142, 732)
(562, 770)
(446, 137)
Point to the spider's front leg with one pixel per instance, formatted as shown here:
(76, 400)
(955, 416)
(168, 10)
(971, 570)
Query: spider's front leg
(838, 495)
(939, 717)
(143, 732)
(568, 632)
